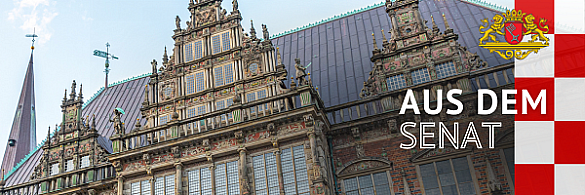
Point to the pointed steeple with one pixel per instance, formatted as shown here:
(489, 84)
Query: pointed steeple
(22, 138)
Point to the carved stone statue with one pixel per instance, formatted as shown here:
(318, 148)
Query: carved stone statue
(235, 5)
(178, 22)
(118, 126)
(300, 72)
(265, 32)
(154, 63)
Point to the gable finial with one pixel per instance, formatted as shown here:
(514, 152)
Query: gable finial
(375, 44)
(80, 97)
(165, 56)
(446, 23)
(278, 58)
(252, 30)
(65, 96)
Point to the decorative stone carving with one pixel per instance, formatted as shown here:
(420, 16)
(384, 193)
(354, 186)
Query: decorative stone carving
(147, 158)
(265, 32)
(206, 145)
(356, 133)
(364, 164)
(309, 121)
(271, 128)
(359, 149)
(392, 126)
(239, 136)
(118, 166)
(178, 22)
(176, 151)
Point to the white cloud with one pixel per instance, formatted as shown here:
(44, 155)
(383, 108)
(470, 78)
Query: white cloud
(34, 15)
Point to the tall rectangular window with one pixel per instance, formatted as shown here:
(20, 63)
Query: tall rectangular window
(188, 52)
(447, 177)
(420, 76)
(251, 97)
(145, 185)
(228, 74)
(165, 185)
(135, 188)
(190, 84)
(163, 120)
(396, 82)
(84, 162)
(198, 49)
(201, 110)
(261, 95)
(141, 188)
(200, 81)
(375, 184)
(194, 182)
(265, 174)
(233, 181)
(445, 69)
(218, 76)
(191, 112)
(206, 181)
(69, 166)
(225, 41)
(294, 170)
(216, 43)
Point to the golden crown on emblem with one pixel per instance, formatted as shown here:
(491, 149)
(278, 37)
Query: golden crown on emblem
(513, 16)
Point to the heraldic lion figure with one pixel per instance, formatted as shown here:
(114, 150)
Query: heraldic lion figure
(533, 28)
(495, 27)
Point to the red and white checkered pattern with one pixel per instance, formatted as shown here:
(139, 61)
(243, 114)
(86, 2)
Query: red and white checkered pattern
(550, 148)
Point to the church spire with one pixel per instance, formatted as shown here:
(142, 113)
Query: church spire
(22, 138)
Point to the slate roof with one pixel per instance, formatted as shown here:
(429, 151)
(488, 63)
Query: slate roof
(339, 49)
(127, 94)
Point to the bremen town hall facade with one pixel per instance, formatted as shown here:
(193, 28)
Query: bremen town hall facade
(311, 111)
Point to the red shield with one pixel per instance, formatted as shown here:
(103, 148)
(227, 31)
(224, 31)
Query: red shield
(514, 32)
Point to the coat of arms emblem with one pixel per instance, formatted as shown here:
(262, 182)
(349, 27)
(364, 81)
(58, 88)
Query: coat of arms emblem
(513, 25)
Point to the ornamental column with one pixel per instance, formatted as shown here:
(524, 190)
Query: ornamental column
(178, 178)
(243, 172)
(120, 185)
(278, 165)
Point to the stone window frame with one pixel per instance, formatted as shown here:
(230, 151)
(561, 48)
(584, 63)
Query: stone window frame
(448, 68)
(191, 84)
(83, 160)
(55, 169)
(222, 74)
(220, 41)
(226, 105)
(142, 190)
(227, 176)
(208, 166)
(288, 146)
(69, 165)
(164, 183)
(256, 93)
(166, 119)
(474, 179)
(371, 173)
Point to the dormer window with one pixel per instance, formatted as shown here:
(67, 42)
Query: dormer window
(11, 142)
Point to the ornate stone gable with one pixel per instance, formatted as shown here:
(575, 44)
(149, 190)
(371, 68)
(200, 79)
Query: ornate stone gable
(415, 54)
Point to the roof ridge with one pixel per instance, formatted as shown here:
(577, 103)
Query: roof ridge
(376, 5)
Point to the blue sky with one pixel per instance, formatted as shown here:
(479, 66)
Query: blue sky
(138, 31)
